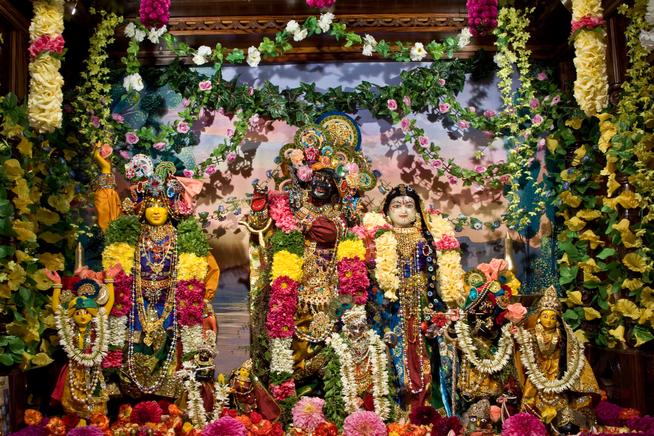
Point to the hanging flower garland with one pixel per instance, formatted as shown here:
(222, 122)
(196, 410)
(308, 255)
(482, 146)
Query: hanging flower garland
(46, 50)
(352, 272)
(448, 258)
(591, 86)
(195, 409)
(486, 366)
(66, 328)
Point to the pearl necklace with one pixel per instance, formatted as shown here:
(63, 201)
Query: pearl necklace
(485, 366)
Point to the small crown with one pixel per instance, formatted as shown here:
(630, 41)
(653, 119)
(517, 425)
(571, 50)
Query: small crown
(355, 315)
(549, 301)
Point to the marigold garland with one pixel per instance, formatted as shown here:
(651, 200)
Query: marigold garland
(448, 258)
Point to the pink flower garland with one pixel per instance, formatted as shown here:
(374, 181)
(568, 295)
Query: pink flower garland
(321, 4)
(353, 279)
(482, 16)
(281, 308)
(154, 12)
(523, 424)
(122, 294)
(284, 390)
(190, 297)
(587, 22)
(280, 211)
(447, 242)
(46, 43)
(113, 359)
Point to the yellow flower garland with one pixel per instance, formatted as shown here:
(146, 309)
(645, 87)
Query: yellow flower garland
(118, 253)
(386, 265)
(191, 266)
(286, 264)
(450, 271)
(350, 248)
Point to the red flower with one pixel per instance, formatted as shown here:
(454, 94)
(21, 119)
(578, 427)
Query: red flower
(277, 429)
(255, 418)
(369, 402)
(122, 294)
(146, 411)
(423, 415)
(113, 359)
(46, 43)
(154, 12)
(284, 390)
(353, 279)
(190, 302)
(326, 429)
(281, 308)
(482, 16)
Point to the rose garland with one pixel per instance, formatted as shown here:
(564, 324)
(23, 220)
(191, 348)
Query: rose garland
(448, 258)
(540, 381)
(591, 86)
(46, 48)
(65, 327)
(486, 366)
(378, 361)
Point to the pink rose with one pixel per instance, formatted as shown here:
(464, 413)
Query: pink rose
(352, 168)
(118, 118)
(441, 82)
(479, 169)
(188, 173)
(495, 413)
(443, 108)
(406, 100)
(205, 85)
(556, 100)
(106, 150)
(211, 169)
(452, 180)
(488, 134)
(183, 127)
(423, 141)
(392, 104)
(505, 178)
(533, 103)
(159, 146)
(515, 312)
(304, 173)
(405, 123)
(131, 138)
(437, 163)
(489, 114)
(542, 76)
(185, 102)
(229, 133)
(311, 154)
(463, 124)
(124, 154)
(492, 269)
(231, 157)
(537, 120)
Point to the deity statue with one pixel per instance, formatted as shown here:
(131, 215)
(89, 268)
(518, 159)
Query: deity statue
(558, 383)
(362, 368)
(483, 337)
(82, 314)
(302, 227)
(406, 271)
(168, 275)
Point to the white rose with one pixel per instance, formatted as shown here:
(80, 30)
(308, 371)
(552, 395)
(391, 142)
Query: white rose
(647, 39)
(130, 29)
(367, 50)
(254, 56)
(370, 40)
(139, 35)
(325, 21)
(292, 27)
(464, 37)
(154, 34)
(133, 82)
(199, 60)
(299, 36)
(417, 52)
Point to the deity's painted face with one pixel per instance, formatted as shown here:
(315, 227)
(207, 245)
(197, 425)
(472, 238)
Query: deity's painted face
(82, 317)
(402, 211)
(156, 213)
(548, 319)
(322, 186)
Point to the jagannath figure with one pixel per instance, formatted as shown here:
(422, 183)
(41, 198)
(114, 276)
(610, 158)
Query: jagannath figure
(168, 277)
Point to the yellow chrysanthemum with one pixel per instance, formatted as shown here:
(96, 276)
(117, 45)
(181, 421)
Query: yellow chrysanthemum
(626, 308)
(635, 263)
(591, 314)
(191, 266)
(350, 248)
(119, 253)
(286, 264)
(372, 220)
(440, 227)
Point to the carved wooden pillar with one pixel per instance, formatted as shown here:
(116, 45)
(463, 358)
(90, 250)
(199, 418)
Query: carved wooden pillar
(13, 50)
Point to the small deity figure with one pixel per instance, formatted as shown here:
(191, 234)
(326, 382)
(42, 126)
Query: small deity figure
(362, 366)
(82, 314)
(558, 383)
(406, 271)
(168, 275)
(483, 337)
(476, 420)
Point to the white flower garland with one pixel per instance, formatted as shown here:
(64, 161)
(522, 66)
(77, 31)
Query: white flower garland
(65, 327)
(282, 356)
(450, 271)
(386, 259)
(535, 375)
(378, 361)
(117, 331)
(194, 402)
(485, 366)
(192, 338)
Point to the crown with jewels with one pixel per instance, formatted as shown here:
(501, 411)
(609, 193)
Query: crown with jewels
(354, 315)
(549, 301)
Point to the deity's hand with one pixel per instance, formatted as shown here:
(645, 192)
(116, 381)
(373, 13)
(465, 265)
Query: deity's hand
(102, 151)
(53, 276)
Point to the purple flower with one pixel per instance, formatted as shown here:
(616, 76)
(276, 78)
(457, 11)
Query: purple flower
(392, 104)
(533, 103)
(124, 154)
(159, 146)
(542, 76)
(537, 120)
(406, 100)
(187, 173)
(131, 138)
(556, 100)
(463, 124)
(423, 141)
(231, 157)
(452, 180)
(437, 163)
(480, 169)
(405, 123)
(211, 169)
(489, 114)
(95, 121)
(443, 108)
(229, 133)
(118, 118)
(441, 82)
(205, 85)
(183, 127)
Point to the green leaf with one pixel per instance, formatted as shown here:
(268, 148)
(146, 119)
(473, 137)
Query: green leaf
(6, 359)
(642, 335)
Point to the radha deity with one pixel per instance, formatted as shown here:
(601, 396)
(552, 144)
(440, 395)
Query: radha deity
(558, 383)
(406, 271)
(168, 276)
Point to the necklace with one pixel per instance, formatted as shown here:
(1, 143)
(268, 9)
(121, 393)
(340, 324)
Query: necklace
(485, 366)
(156, 240)
(536, 376)
(77, 353)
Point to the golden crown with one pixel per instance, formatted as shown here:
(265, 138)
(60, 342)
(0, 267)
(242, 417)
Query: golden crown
(549, 301)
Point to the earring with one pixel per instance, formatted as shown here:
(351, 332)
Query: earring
(418, 223)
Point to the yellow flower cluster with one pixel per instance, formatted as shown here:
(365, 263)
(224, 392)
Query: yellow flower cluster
(450, 278)
(191, 266)
(119, 253)
(591, 87)
(350, 248)
(45, 95)
(386, 265)
(440, 227)
(286, 264)
(372, 220)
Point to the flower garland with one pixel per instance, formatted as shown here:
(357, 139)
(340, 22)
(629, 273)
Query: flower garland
(591, 86)
(386, 261)
(65, 327)
(482, 16)
(46, 48)
(378, 359)
(575, 365)
(486, 366)
(448, 258)
(352, 272)
(196, 411)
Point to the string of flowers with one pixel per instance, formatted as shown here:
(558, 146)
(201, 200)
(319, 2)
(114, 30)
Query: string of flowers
(46, 50)
(65, 327)
(351, 267)
(591, 86)
(487, 366)
(448, 258)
